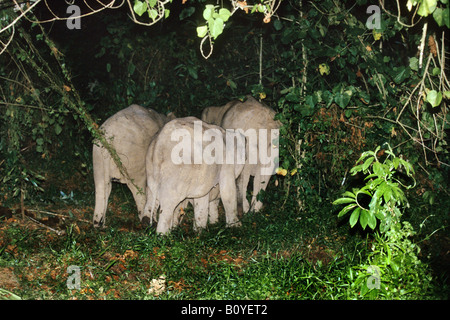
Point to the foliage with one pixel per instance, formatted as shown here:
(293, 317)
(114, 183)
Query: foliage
(393, 270)
(339, 88)
(386, 197)
(275, 255)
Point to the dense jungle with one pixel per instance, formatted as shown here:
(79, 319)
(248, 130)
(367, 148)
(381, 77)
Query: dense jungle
(358, 207)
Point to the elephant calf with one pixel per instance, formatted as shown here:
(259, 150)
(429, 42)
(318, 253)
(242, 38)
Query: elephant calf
(130, 132)
(186, 160)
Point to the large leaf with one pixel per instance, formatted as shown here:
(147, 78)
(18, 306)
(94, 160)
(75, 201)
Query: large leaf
(378, 169)
(434, 98)
(346, 209)
(202, 31)
(140, 7)
(354, 217)
(427, 7)
(208, 12)
(344, 200)
(364, 218)
(215, 27)
(367, 163)
(224, 14)
(342, 99)
(372, 221)
(401, 74)
(442, 16)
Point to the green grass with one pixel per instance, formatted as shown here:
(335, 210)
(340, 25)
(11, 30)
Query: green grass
(279, 253)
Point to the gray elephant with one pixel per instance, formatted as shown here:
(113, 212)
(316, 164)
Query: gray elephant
(185, 161)
(130, 132)
(261, 130)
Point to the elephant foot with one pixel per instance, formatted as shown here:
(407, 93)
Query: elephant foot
(236, 224)
(99, 223)
(146, 221)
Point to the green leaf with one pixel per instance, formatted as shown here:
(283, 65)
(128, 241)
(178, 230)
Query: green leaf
(354, 217)
(364, 218)
(447, 94)
(367, 163)
(439, 16)
(202, 31)
(436, 71)
(58, 129)
(292, 97)
(215, 27)
(396, 162)
(378, 169)
(434, 98)
(346, 209)
(344, 200)
(372, 221)
(401, 75)
(374, 204)
(231, 84)
(342, 99)
(349, 194)
(192, 72)
(208, 12)
(140, 7)
(414, 63)
(355, 170)
(427, 7)
(277, 25)
(187, 12)
(152, 14)
(224, 14)
(387, 193)
(310, 101)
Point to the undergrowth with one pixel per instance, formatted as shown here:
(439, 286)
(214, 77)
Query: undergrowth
(280, 253)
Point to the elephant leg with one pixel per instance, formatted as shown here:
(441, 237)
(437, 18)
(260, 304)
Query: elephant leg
(242, 183)
(259, 183)
(201, 212)
(139, 195)
(166, 217)
(228, 194)
(214, 211)
(103, 186)
(149, 212)
(103, 190)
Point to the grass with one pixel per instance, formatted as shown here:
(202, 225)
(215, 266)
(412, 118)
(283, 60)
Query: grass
(279, 253)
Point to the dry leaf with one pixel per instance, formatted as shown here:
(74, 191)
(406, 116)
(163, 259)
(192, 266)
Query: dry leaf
(432, 45)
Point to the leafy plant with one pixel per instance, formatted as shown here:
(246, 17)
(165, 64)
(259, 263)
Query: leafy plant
(392, 269)
(383, 187)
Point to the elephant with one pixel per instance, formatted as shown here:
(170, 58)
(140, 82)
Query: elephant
(130, 132)
(262, 131)
(172, 179)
